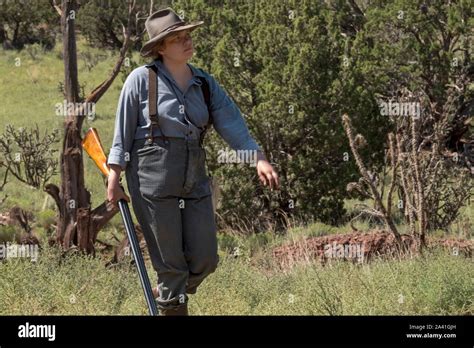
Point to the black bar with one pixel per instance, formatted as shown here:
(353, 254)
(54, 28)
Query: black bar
(136, 330)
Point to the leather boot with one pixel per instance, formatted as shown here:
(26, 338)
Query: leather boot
(175, 311)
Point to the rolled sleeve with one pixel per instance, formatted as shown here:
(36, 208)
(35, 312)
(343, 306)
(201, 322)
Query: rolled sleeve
(228, 120)
(125, 122)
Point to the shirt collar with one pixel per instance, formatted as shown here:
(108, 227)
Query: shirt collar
(161, 67)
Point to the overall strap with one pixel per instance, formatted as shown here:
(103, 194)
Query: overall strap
(206, 91)
(152, 101)
(152, 92)
(207, 98)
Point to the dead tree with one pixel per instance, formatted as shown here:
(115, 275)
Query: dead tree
(78, 222)
(434, 182)
(381, 210)
(432, 187)
(29, 157)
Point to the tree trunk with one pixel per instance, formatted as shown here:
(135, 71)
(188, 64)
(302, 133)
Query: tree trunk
(73, 225)
(78, 224)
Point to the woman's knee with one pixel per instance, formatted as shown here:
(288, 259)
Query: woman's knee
(204, 265)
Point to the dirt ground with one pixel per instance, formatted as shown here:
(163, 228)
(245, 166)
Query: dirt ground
(359, 247)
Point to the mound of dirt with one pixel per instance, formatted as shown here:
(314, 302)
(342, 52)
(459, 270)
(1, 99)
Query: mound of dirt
(357, 247)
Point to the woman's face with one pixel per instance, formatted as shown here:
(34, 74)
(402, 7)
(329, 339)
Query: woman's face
(178, 46)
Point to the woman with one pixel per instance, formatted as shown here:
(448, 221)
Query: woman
(165, 163)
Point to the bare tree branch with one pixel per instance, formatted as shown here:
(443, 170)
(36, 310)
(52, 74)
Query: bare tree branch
(56, 7)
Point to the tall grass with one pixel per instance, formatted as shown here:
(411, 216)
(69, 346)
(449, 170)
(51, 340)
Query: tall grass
(437, 283)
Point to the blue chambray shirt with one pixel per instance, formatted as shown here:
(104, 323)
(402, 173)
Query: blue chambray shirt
(132, 120)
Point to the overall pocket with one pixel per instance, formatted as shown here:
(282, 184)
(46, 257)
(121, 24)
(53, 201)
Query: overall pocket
(159, 175)
(195, 169)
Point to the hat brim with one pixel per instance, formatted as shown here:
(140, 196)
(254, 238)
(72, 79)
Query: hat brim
(147, 48)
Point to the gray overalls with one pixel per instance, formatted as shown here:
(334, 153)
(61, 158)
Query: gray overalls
(171, 198)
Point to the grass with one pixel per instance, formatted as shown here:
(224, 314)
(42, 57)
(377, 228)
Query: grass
(436, 284)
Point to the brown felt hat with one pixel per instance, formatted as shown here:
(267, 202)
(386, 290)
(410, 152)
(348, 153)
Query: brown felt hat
(162, 23)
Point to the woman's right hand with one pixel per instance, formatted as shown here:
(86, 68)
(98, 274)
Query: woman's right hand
(114, 191)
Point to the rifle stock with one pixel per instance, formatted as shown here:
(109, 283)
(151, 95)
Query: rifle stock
(92, 145)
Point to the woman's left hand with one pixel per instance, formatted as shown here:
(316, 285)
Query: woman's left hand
(266, 173)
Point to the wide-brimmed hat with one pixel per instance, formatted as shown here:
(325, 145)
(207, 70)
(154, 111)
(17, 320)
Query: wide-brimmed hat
(162, 23)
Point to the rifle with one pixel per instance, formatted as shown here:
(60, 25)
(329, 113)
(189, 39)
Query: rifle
(92, 145)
